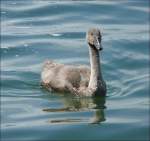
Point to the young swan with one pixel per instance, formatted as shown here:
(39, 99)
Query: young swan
(78, 80)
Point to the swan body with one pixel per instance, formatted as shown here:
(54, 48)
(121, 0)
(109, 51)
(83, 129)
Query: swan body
(78, 80)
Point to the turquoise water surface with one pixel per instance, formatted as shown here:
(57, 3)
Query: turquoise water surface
(36, 30)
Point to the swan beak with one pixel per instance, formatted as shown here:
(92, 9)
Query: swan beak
(98, 45)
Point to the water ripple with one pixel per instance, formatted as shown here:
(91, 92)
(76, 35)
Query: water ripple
(34, 31)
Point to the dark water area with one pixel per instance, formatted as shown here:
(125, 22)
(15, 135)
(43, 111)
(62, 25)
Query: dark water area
(37, 30)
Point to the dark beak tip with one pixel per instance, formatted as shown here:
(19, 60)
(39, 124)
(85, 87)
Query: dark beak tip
(100, 49)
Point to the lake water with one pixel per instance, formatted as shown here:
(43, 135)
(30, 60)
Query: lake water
(37, 30)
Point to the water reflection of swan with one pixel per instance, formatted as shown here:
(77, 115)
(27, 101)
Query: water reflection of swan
(79, 80)
(95, 105)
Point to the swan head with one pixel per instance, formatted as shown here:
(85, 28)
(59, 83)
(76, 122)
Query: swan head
(94, 38)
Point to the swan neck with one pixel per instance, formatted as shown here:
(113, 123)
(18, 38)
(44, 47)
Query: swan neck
(96, 75)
